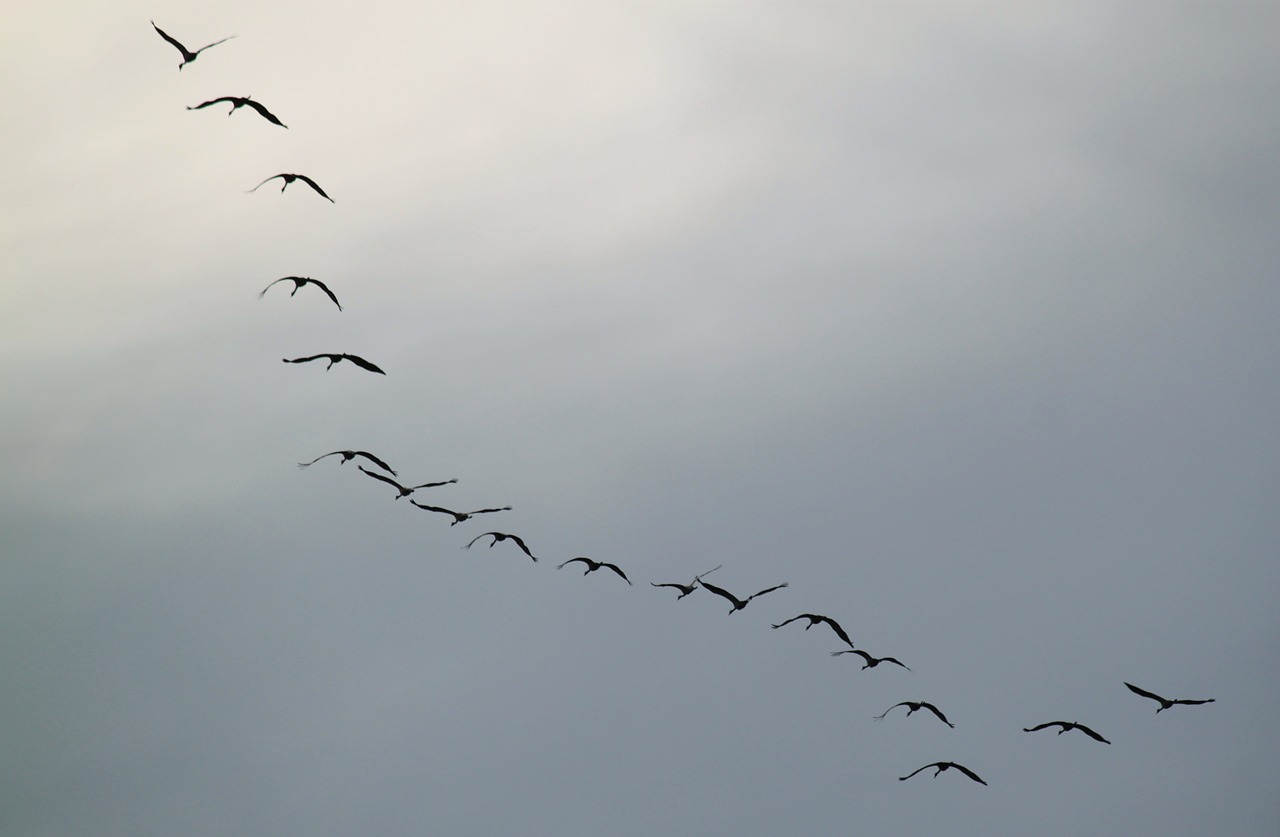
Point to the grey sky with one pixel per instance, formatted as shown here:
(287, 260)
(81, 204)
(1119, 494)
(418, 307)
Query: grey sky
(961, 319)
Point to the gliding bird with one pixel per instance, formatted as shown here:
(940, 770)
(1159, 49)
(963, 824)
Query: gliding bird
(238, 102)
(289, 178)
(298, 282)
(739, 604)
(405, 491)
(815, 619)
(872, 662)
(503, 536)
(1066, 725)
(187, 55)
(1165, 703)
(347, 456)
(334, 358)
(912, 706)
(945, 765)
(686, 589)
(458, 517)
(592, 566)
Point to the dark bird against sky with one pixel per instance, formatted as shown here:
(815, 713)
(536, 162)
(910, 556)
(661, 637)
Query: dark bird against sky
(335, 358)
(289, 178)
(739, 604)
(298, 282)
(872, 662)
(814, 619)
(187, 55)
(458, 516)
(912, 706)
(945, 765)
(405, 491)
(503, 536)
(347, 456)
(1066, 725)
(592, 566)
(1165, 703)
(238, 102)
(686, 589)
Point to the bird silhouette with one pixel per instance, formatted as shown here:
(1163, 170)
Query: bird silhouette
(815, 619)
(347, 456)
(238, 102)
(592, 566)
(289, 178)
(405, 491)
(1066, 725)
(1165, 703)
(945, 765)
(335, 358)
(739, 604)
(298, 282)
(187, 55)
(872, 662)
(912, 706)
(686, 589)
(503, 536)
(458, 517)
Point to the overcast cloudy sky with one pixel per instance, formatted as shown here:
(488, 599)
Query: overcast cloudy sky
(961, 318)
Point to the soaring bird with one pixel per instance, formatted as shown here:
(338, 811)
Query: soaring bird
(334, 358)
(592, 566)
(187, 55)
(945, 765)
(347, 456)
(872, 662)
(405, 491)
(298, 282)
(739, 604)
(815, 619)
(503, 536)
(686, 589)
(289, 178)
(912, 706)
(458, 517)
(1165, 703)
(238, 102)
(1066, 725)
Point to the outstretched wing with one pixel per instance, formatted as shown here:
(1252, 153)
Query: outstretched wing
(264, 113)
(1144, 693)
(1043, 726)
(263, 183)
(617, 570)
(835, 626)
(362, 363)
(914, 772)
(187, 55)
(1194, 702)
(769, 590)
(1091, 733)
(318, 458)
(230, 99)
(435, 485)
(880, 717)
(723, 593)
(207, 46)
(937, 712)
(375, 460)
(315, 186)
(966, 771)
(863, 654)
(307, 359)
(893, 660)
(263, 292)
(478, 537)
(586, 561)
(380, 477)
(792, 619)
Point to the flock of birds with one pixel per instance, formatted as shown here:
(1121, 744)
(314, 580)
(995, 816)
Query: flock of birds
(387, 475)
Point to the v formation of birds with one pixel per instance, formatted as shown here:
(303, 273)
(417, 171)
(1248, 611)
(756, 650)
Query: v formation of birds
(591, 565)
